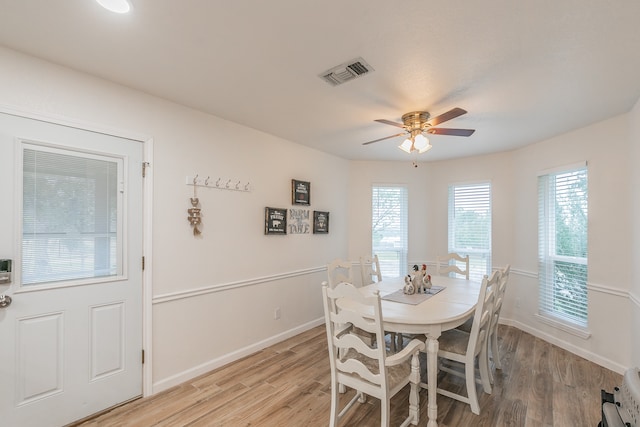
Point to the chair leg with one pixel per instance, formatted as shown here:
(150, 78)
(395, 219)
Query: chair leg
(485, 372)
(385, 408)
(414, 398)
(494, 349)
(471, 386)
(333, 420)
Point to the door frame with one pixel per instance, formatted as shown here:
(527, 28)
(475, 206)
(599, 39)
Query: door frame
(147, 224)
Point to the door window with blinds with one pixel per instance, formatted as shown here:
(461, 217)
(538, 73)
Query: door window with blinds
(470, 226)
(389, 229)
(71, 215)
(562, 240)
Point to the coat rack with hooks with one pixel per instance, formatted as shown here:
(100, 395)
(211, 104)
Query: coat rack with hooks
(219, 183)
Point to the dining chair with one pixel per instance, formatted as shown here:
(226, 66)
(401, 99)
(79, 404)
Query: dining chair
(370, 270)
(458, 350)
(492, 341)
(447, 264)
(355, 364)
(339, 270)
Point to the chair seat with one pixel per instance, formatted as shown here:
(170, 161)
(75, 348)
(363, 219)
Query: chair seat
(454, 341)
(395, 374)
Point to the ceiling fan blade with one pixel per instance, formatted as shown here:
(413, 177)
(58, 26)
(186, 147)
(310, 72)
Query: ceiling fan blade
(452, 132)
(451, 114)
(382, 139)
(389, 122)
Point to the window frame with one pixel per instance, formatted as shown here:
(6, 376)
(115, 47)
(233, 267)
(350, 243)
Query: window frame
(548, 257)
(401, 253)
(121, 245)
(474, 253)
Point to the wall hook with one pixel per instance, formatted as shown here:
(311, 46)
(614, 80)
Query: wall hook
(246, 186)
(206, 181)
(195, 179)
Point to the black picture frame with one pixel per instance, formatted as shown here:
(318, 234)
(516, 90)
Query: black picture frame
(320, 222)
(275, 220)
(300, 192)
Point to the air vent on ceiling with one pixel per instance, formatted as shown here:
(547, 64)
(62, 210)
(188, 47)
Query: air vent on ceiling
(347, 71)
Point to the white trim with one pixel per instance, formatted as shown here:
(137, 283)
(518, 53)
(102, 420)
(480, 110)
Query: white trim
(607, 290)
(147, 273)
(566, 168)
(190, 293)
(592, 357)
(203, 368)
(585, 334)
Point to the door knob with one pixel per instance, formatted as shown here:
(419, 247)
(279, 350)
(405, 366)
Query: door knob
(5, 301)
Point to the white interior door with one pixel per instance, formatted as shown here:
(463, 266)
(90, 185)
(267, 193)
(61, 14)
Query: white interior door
(71, 221)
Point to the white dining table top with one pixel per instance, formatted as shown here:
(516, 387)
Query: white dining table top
(445, 310)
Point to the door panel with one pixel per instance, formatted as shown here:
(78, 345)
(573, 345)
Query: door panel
(70, 348)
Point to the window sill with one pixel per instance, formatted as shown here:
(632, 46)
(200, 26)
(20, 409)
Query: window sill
(583, 333)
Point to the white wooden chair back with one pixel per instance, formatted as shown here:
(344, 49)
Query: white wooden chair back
(452, 342)
(339, 271)
(447, 264)
(492, 342)
(340, 325)
(370, 269)
(365, 368)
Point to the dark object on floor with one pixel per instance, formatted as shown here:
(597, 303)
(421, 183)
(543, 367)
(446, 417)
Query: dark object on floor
(622, 407)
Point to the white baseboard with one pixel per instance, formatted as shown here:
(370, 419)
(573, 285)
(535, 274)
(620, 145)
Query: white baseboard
(592, 357)
(189, 374)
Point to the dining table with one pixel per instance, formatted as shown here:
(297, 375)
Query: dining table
(449, 303)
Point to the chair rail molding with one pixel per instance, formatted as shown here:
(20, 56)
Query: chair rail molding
(190, 293)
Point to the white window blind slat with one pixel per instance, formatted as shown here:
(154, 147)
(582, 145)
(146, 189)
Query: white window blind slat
(69, 216)
(563, 219)
(470, 225)
(389, 214)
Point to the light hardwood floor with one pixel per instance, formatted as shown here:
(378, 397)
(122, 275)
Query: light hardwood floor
(288, 385)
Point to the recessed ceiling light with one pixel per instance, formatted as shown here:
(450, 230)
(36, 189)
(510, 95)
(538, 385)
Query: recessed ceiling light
(117, 6)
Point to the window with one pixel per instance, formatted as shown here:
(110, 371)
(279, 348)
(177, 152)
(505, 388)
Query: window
(562, 240)
(470, 226)
(70, 216)
(389, 229)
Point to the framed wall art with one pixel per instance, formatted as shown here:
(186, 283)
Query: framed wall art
(300, 192)
(275, 221)
(320, 222)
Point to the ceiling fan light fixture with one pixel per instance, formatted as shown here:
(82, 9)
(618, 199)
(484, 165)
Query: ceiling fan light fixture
(116, 6)
(425, 149)
(406, 146)
(420, 143)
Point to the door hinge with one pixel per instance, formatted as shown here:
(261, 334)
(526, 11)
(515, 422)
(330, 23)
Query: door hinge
(142, 263)
(145, 165)
(143, 357)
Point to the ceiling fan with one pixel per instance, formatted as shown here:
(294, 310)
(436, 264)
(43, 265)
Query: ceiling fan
(418, 122)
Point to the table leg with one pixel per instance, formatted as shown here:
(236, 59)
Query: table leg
(432, 381)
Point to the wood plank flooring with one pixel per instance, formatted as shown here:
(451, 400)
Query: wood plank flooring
(288, 384)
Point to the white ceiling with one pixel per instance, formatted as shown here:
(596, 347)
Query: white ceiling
(524, 70)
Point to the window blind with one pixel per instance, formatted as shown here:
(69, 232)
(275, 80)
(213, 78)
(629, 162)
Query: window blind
(470, 225)
(69, 216)
(389, 229)
(562, 240)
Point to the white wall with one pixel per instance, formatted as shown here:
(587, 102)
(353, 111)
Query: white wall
(635, 214)
(513, 176)
(213, 297)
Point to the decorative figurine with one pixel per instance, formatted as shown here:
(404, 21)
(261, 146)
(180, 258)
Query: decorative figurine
(427, 282)
(408, 289)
